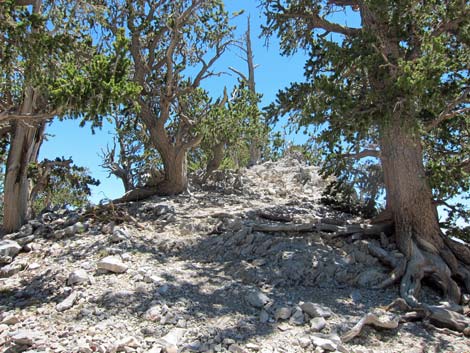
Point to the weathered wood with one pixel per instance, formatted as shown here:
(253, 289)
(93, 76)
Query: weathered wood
(382, 320)
(323, 227)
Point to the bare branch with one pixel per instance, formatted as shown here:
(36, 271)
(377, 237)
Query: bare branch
(7, 116)
(449, 111)
(241, 74)
(363, 154)
(318, 22)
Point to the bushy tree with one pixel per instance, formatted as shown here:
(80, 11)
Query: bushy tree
(173, 46)
(49, 66)
(59, 183)
(395, 89)
(131, 158)
(230, 127)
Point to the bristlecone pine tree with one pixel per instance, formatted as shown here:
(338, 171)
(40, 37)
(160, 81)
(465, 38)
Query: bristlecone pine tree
(173, 46)
(395, 88)
(49, 67)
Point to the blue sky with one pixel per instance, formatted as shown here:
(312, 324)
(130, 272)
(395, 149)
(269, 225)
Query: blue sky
(273, 73)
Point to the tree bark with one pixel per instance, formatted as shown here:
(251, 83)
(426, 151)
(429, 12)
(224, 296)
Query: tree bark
(410, 201)
(24, 149)
(175, 167)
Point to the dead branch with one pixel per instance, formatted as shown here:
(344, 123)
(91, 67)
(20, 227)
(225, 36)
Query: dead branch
(380, 319)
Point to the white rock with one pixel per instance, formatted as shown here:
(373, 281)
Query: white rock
(324, 343)
(9, 248)
(78, 277)
(26, 337)
(68, 302)
(153, 313)
(174, 336)
(317, 324)
(112, 264)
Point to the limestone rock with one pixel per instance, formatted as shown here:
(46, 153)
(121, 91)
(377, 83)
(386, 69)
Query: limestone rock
(257, 299)
(297, 317)
(317, 324)
(11, 269)
(112, 264)
(119, 235)
(26, 337)
(315, 310)
(9, 248)
(68, 302)
(78, 277)
(324, 343)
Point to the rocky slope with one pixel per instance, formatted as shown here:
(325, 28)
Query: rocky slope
(253, 263)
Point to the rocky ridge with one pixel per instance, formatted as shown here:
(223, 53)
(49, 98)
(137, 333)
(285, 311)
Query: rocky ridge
(251, 263)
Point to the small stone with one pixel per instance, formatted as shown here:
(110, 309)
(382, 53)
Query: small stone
(466, 331)
(317, 324)
(323, 343)
(174, 336)
(253, 346)
(304, 342)
(257, 299)
(297, 317)
(112, 264)
(119, 235)
(194, 346)
(10, 320)
(9, 248)
(130, 341)
(11, 269)
(315, 310)
(283, 313)
(26, 337)
(68, 302)
(283, 326)
(78, 277)
(153, 313)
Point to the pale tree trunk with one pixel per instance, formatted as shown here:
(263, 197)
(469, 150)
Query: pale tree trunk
(24, 149)
(417, 232)
(255, 148)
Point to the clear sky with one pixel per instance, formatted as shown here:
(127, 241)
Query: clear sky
(273, 73)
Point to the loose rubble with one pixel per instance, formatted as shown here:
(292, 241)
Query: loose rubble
(250, 262)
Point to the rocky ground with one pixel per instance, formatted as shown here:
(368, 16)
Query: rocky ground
(208, 271)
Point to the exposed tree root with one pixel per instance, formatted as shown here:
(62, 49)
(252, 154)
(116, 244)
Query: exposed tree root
(137, 194)
(423, 264)
(379, 319)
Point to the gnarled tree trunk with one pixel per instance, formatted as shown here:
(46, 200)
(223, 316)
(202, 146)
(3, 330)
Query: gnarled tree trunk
(24, 149)
(176, 177)
(417, 231)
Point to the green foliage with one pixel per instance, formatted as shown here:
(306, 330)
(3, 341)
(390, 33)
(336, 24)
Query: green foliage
(65, 185)
(235, 122)
(412, 58)
(54, 52)
(131, 158)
